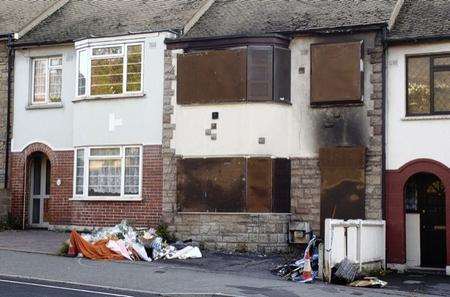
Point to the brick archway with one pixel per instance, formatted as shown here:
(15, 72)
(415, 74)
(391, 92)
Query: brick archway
(19, 177)
(37, 147)
(395, 206)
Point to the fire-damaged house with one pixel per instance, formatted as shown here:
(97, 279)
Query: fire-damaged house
(418, 137)
(273, 116)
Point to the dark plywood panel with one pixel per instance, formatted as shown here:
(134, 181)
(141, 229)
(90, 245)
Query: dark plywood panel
(343, 183)
(336, 74)
(259, 185)
(281, 191)
(260, 73)
(212, 76)
(211, 185)
(282, 74)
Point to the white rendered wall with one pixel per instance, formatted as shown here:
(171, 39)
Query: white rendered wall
(50, 126)
(291, 130)
(88, 122)
(415, 137)
(239, 127)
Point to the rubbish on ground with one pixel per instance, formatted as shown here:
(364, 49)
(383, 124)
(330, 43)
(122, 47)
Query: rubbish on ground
(123, 242)
(304, 270)
(94, 251)
(370, 282)
(347, 270)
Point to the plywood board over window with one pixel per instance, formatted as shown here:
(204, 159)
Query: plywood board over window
(256, 185)
(343, 183)
(337, 72)
(253, 73)
(212, 76)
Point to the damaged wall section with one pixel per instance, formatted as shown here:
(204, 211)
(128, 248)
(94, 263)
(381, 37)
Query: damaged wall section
(335, 125)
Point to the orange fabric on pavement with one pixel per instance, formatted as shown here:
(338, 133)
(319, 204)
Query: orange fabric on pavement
(95, 251)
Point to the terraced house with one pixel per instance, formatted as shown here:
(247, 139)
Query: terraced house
(16, 19)
(275, 118)
(88, 107)
(418, 137)
(240, 124)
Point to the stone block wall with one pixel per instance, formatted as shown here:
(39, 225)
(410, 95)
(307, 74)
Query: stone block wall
(259, 233)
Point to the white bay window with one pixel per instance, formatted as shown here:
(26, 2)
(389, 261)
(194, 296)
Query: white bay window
(108, 172)
(110, 70)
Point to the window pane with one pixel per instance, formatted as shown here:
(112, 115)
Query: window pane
(104, 177)
(442, 61)
(55, 81)
(113, 50)
(134, 68)
(442, 91)
(419, 85)
(55, 62)
(132, 156)
(114, 151)
(107, 76)
(40, 68)
(82, 72)
(37, 176)
(80, 172)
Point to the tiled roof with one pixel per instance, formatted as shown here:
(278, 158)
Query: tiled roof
(247, 17)
(16, 14)
(84, 18)
(422, 19)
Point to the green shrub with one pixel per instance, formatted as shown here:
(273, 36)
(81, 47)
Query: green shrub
(10, 222)
(163, 231)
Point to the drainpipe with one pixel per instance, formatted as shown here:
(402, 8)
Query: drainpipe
(8, 105)
(383, 123)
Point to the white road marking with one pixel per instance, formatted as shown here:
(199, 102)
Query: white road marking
(64, 288)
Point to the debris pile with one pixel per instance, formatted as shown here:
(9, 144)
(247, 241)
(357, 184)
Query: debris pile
(304, 270)
(123, 242)
(347, 272)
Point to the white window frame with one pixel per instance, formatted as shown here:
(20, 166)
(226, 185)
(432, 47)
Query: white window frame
(90, 56)
(87, 158)
(47, 81)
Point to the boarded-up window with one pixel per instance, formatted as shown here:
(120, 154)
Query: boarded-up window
(253, 73)
(336, 72)
(282, 74)
(281, 189)
(343, 183)
(257, 185)
(212, 76)
(211, 185)
(260, 73)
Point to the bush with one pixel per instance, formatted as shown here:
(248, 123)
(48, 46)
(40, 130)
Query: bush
(163, 231)
(10, 223)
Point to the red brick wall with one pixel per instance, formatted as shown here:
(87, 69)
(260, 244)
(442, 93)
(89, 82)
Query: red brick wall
(62, 211)
(395, 212)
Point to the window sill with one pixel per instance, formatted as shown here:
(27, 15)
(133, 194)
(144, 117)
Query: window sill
(107, 97)
(231, 213)
(277, 102)
(44, 106)
(107, 199)
(427, 118)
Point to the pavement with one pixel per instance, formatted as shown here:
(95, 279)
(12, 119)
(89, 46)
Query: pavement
(215, 274)
(36, 241)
